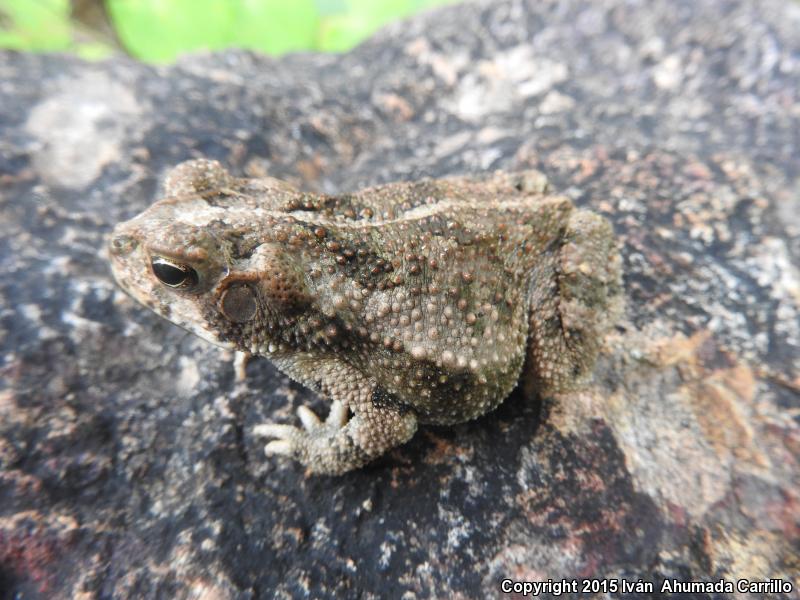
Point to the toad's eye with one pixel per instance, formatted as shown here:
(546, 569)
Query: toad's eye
(175, 275)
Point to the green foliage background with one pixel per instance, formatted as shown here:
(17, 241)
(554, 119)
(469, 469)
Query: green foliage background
(160, 30)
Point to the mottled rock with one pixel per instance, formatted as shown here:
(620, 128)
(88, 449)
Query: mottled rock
(128, 467)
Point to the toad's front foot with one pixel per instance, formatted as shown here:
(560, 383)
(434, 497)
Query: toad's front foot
(300, 443)
(338, 445)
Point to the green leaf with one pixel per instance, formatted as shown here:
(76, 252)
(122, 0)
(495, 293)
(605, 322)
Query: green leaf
(41, 25)
(339, 33)
(159, 31)
(93, 50)
(276, 26)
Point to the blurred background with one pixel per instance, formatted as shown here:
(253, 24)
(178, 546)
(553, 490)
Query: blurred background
(159, 31)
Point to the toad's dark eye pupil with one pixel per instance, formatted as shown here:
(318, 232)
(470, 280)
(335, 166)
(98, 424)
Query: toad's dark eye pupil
(174, 274)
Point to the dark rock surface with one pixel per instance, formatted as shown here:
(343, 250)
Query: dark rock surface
(127, 464)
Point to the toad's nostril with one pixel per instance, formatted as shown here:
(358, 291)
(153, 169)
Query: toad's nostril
(121, 245)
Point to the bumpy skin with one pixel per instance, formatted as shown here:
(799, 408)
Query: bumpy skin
(404, 303)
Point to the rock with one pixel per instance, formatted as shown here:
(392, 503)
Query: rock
(128, 468)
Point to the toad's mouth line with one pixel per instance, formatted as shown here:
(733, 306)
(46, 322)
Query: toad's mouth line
(143, 298)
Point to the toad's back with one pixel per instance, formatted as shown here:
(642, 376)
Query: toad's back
(437, 308)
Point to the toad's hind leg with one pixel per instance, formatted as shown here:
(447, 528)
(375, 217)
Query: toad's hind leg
(575, 298)
(338, 444)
